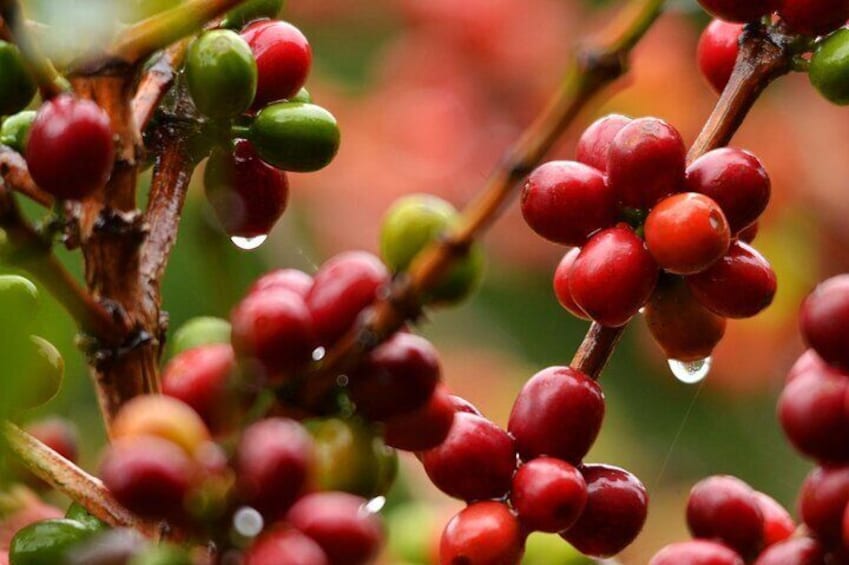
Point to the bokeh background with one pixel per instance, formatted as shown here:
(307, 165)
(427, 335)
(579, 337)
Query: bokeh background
(428, 95)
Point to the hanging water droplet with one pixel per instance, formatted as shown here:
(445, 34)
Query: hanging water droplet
(690, 372)
(248, 243)
(342, 380)
(375, 505)
(642, 310)
(318, 353)
(248, 522)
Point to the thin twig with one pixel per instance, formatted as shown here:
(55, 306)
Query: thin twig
(15, 174)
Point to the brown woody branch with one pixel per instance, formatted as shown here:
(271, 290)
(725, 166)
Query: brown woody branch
(156, 82)
(15, 174)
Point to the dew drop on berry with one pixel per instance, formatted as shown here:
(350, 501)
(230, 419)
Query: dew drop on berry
(248, 243)
(375, 505)
(690, 372)
(318, 353)
(248, 522)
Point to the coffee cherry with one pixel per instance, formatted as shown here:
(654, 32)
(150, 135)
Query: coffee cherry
(808, 361)
(798, 551)
(824, 320)
(78, 513)
(829, 65)
(251, 10)
(200, 331)
(613, 276)
(70, 150)
(476, 460)
(735, 11)
(778, 525)
(463, 405)
(397, 377)
(748, 235)
(617, 505)
(47, 541)
(646, 162)
(294, 136)
(15, 130)
(424, 427)
(725, 508)
(717, 52)
(696, 552)
(44, 368)
(548, 494)
(814, 17)
(739, 285)
(339, 523)
(221, 73)
(303, 95)
(822, 501)
(273, 463)
(284, 545)
(484, 533)
(287, 279)
(161, 416)
(16, 85)
(58, 434)
(561, 284)
(557, 413)
(594, 144)
(686, 233)
(283, 59)
(342, 288)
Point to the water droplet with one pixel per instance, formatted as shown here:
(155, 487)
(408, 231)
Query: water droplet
(690, 372)
(248, 522)
(642, 310)
(318, 353)
(375, 505)
(248, 243)
(342, 380)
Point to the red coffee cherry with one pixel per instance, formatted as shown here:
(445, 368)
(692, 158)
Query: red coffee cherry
(717, 52)
(594, 143)
(70, 149)
(822, 502)
(557, 413)
(273, 463)
(476, 460)
(824, 320)
(808, 361)
(283, 58)
(736, 180)
(284, 545)
(739, 285)
(424, 427)
(617, 505)
(696, 552)
(778, 524)
(286, 279)
(748, 235)
(58, 434)
(484, 533)
(462, 405)
(686, 233)
(798, 551)
(725, 508)
(342, 287)
(736, 11)
(613, 276)
(646, 162)
(347, 532)
(561, 284)
(397, 377)
(548, 494)
(814, 17)
(566, 201)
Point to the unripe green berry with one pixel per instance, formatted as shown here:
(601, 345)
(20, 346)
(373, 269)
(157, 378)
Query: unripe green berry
(45, 542)
(202, 330)
(303, 96)
(250, 11)
(221, 73)
(19, 301)
(16, 85)
(15, 130)
(829, 67)
(294, 136)
(78, 513)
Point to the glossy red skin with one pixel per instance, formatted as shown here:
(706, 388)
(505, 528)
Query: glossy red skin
(150, 476)
(809, 360)
(736, 180)
(566, 201)
(824, 320)
(554, 400)
(347, 533)
(617, 505)
(283, 59)
(845, 528)
(725, 508)
(484, 533)
(273, 462)
(686, 233)
(748, 234)
(696, 552)
(717, 52)
(287, 279)
(284, 545)
(613, 276)
(273, 331)
(70, 148)
(646, 162)
(778, 524)
(561, 284)
(342, 287)
(594, 144)
(739, 285)
(822, 502)
(814, 17)
(201, 377)
(422, 428)
(397, 377)
(476, 461)
(548, 494)
(813, 415)
(737, 11)
(462, 405)
(798, 551)
(247, 195)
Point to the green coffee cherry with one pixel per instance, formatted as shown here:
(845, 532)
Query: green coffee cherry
(250, 11)
(302, 96)
(411, 224)
(79, 514)
(46, 542)
(829, 68)
(221, 73)
(551, 549)
(294, 136)
(15, 130)
(40, 373)
(203, 330)
(16, 85)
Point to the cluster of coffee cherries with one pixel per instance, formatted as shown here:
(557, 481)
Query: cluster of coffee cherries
(651, 232)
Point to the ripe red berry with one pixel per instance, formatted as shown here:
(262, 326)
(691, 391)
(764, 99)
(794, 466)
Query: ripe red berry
(476, 460)
(594, 143)
(561, 284)
(807, 361)
(58, 434)
(287, 279)
(725, 508)
(739, 285)
(736, 180)
(748, 235)
(717, 52)
(566, 201)
(462, 405)
(814, 17)
(824, 320)
(778, 524)
(798, 551)
(424, 427)
(646, 162)
(696, 552)
(613, 276)
(70, 149)
(736, 11)
(484, 533)
(283, 59)
(548, 494)
(284, 545)
(617, 506)
(557, 413)
(822, 502)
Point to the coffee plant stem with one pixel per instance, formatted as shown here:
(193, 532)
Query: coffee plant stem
(156, 82)
(15, 175)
